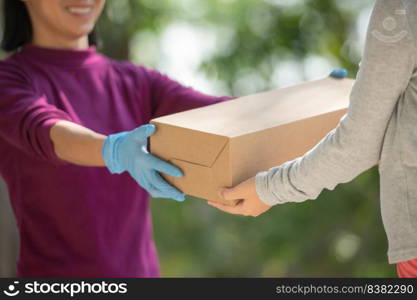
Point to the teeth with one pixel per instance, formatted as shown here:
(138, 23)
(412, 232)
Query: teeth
(80, 10)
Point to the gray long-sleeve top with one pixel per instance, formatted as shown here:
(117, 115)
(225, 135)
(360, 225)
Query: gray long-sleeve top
(379, 127)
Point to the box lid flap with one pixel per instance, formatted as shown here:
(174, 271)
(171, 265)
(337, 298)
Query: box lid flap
(196, 147)
(261, 111)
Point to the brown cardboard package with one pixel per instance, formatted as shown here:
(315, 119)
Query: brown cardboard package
(223, 144)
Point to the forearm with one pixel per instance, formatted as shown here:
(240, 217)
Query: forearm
(77, 144)
(352, 148)
(340, 157)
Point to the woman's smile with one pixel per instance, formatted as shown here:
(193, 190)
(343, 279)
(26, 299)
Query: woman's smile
(80, 10)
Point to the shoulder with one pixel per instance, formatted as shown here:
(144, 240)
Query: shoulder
(410, 11)
(13, 69)
(392, 3)
(392, 13)
(393, 25)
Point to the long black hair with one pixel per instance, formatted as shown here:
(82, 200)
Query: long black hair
(17, 29)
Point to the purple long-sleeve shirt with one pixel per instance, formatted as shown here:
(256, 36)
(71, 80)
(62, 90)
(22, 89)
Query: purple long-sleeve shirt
(79, 221)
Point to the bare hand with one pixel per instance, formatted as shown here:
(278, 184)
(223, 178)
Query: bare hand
(249, 204)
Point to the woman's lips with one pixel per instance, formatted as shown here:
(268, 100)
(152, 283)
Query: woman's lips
(81, 11)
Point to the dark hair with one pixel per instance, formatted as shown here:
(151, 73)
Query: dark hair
(17, 30)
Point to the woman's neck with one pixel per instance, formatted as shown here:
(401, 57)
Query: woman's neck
(60, 42)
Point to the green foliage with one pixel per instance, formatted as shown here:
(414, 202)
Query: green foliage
(252, 37)
(266, 34)
(340, 233)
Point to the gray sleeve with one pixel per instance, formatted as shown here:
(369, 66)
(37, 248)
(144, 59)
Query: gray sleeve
(355, 145)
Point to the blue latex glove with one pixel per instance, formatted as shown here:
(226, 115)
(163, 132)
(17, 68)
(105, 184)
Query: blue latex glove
(126, 151)
(339, 73)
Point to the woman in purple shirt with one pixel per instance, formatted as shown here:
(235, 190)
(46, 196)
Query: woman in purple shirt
(67, 113)
(73, 149)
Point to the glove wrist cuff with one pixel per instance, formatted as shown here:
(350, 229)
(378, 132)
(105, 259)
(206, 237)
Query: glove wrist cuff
(110, 154)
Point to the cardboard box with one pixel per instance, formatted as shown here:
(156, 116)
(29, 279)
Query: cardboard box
(223, 144)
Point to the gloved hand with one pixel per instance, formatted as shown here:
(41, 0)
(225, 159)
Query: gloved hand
(126, 151)
(339, 73)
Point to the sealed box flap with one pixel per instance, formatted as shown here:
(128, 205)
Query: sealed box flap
(179, 143)
(204, 182)
(266, 110)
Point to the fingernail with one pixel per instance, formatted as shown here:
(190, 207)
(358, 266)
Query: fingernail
(179, 174)
(339, 73)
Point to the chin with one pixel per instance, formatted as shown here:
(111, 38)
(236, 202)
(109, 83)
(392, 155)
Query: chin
(80, 33)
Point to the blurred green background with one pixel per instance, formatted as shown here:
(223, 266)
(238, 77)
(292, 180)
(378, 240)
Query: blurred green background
(238, 47)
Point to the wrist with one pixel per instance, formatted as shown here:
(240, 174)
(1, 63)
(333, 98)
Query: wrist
(110, 153)
(263, 189)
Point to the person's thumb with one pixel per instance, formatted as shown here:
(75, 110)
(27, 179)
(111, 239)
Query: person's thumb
(231, 193)
(144, 131)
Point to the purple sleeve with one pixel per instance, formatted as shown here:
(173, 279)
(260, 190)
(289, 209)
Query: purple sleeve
(26, 117)
(168, 96)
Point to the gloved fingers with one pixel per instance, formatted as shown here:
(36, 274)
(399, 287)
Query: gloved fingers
(156, 194)
(156, 186)
(167, 190)
(159, 194)
(142, 181)
(339, 73)
(144, 131)
(164, 167)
